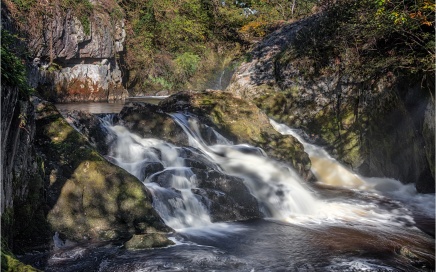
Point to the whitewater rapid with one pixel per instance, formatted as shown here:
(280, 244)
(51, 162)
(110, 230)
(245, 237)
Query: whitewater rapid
(281, 193)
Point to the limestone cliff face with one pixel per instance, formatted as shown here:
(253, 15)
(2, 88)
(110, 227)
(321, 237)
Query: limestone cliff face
(382, 129)
(84, 57)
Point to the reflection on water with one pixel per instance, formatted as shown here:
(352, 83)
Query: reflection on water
(92, 107)
(105, 107)
(263, 245)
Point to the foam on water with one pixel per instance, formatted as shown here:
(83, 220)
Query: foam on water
(177, 205)
(331, 172)
(280, 191)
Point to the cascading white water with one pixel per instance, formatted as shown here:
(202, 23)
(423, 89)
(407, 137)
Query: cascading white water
(278, 189)
(330, 172)
(180, 208)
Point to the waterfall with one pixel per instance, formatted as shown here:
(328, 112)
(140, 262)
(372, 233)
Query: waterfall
(278, 188)
(330, 172)
(281, 194)
(175, 202)
(326, 169)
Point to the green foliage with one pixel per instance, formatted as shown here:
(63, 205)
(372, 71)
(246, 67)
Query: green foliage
(83, 10)
(187, 64)
(24, 5)
(84, 20)
(13, 70)
(369, 38)
(161, 82)
(161, 32)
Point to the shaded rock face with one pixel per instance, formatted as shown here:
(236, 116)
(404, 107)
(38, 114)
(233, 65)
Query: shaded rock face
(85, 59)
(226, 197)
(88, 197)
(53, 180)
(21, 184)
(379, 129)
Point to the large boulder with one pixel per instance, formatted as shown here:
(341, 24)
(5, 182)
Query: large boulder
(226, 197)
(88, 197)
(150, 121)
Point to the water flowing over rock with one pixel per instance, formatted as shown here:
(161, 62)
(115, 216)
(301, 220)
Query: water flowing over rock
(150, 142)
(241, 122)
(380, 129)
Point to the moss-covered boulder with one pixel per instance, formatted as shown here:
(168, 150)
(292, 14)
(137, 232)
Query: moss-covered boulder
(88, 197)
(149, 121)
(10, 264)
(149, 240)
(240, 121)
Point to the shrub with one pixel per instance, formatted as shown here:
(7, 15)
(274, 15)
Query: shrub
(13, 70)
(186, 64)
(370, 38)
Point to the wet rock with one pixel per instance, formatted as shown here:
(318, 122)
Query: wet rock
(149, 240)
(149, 121)
(168, 178)
(149, 169)
(226, 197)
(91, 127)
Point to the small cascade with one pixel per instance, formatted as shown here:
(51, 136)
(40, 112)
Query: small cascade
(278, 189)
(221, 79)
(327, 170)
(184, 180)
(174, 200)
(330, 172)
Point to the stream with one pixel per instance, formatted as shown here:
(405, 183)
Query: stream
(343, 222)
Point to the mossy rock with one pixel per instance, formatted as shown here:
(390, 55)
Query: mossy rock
(10, 264)
(149, 121)
(149, 240)
(88, 197)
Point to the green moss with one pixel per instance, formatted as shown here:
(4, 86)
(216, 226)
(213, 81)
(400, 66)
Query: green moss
(148, 241)
(10, 264)
(13, 70)
(95, 199)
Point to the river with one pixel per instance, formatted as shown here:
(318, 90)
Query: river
(343, 222)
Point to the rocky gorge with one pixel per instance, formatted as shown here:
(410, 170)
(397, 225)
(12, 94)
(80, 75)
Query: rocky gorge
(62, 179)
(383, 128)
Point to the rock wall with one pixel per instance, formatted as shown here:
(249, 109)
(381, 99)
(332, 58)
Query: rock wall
(85, 59)
(385, 128)
(17, 158)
